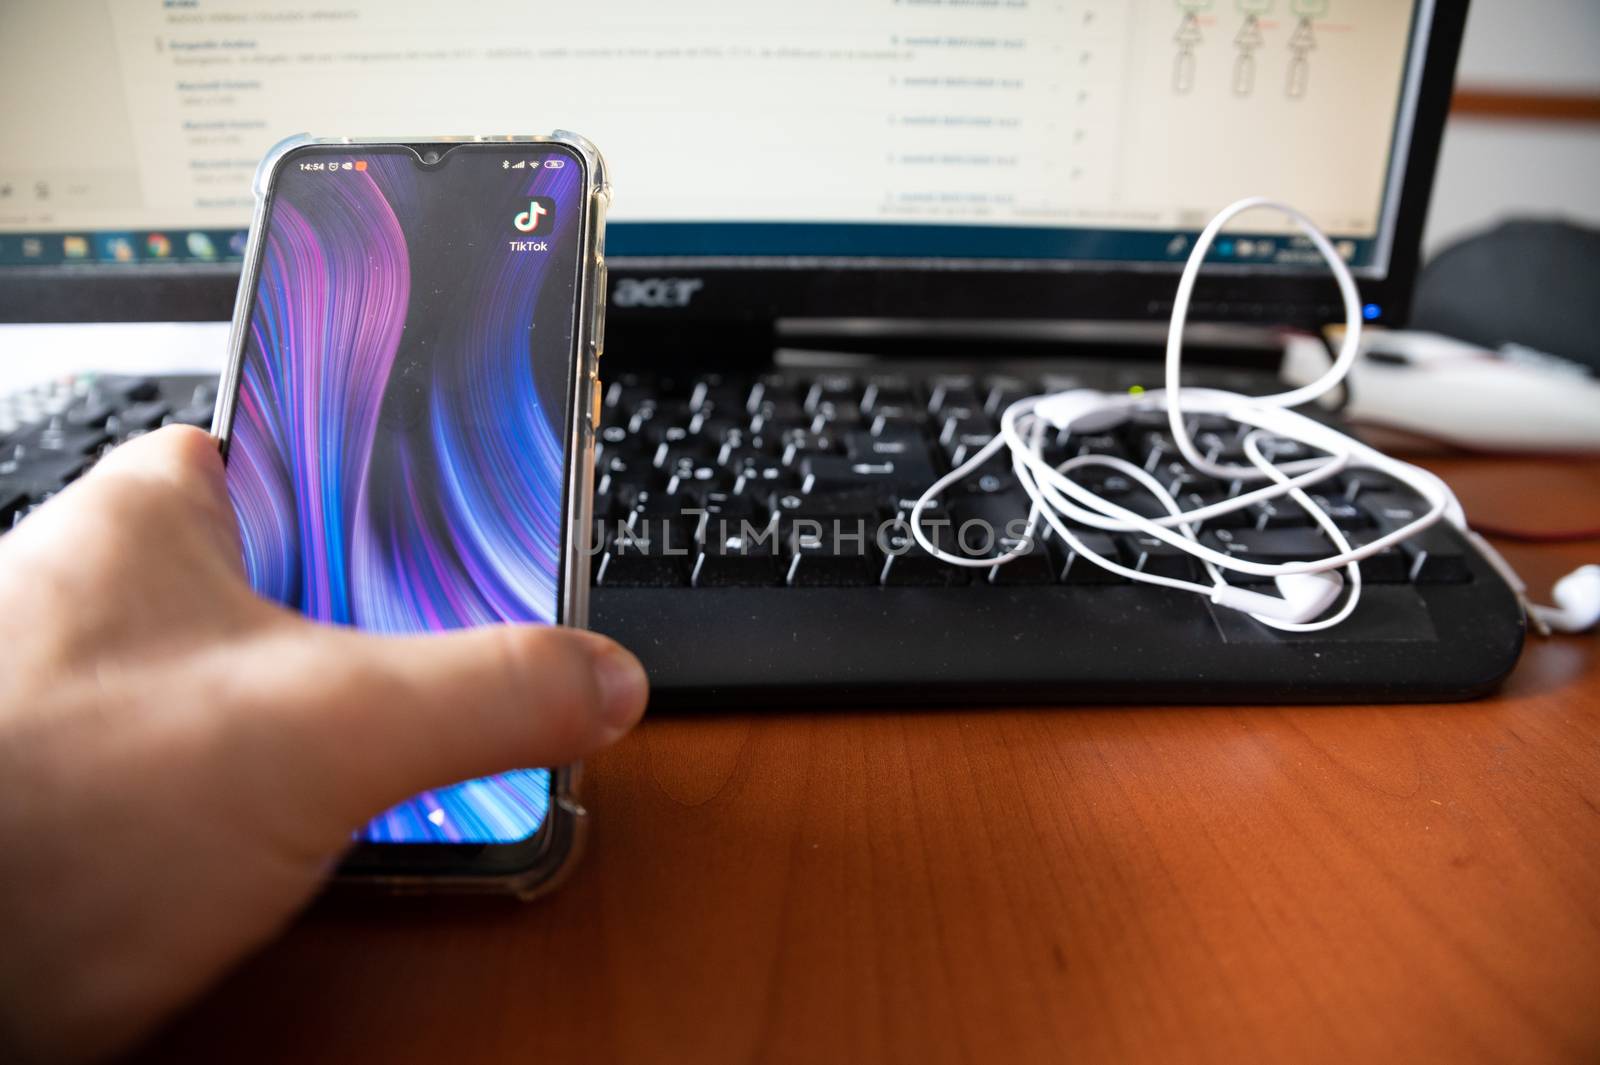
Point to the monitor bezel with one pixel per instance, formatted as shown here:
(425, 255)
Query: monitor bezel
(746, 293)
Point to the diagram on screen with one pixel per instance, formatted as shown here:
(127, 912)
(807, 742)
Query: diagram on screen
(1187, 38)
(1247, 41)
(1302, 42)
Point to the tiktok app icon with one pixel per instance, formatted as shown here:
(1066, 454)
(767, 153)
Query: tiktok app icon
(540, 217)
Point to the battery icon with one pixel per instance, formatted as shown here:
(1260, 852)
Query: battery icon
(554, 164)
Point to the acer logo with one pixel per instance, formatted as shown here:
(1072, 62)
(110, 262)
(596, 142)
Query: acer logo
(656, 291)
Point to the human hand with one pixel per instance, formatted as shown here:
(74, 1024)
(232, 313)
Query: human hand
(183, 762)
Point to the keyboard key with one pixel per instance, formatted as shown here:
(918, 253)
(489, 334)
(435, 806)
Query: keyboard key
(12, 504)
(713, 393)
(737, 553)
(1437, 556)
(1233, 519)
(800, 442)
(667, 433)
(132, 389)
(1180, 477)
(838, 416)
(949, 391)
(896, 420)
(1094, 444)
(638, 504)
(1269, 546)
(1036, 566)
(1065, 382)
(1391, 509)
(1004, 519)
(776, 415)
(139, 417)
(199, 417)
(1076, 568)
(970, 429)
(789, 502)
(1004, 391)
(774, 386)
(1281, 513)
(732, 505)
(652, 555)
(907, 562)
(1148, 554)
(1279, 450)
(1387, 567)
(1358, 482)
(672, 457)
(831, 550)
(90, 414)
(833, 391)
(892, 444)
(827, 473)
(689, 484)
(1345, 514)
(889, 393)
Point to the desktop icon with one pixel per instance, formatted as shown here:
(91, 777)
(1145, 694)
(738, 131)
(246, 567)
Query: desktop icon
(32, 247)
(200, 246)
(117, 247)
(75, 247)
(157, 246)
(236, 242)
(539, 216)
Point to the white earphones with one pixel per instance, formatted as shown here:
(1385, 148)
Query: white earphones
(1577, 597)
(1307, 590)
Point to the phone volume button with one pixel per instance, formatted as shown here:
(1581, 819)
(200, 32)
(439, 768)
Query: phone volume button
(598, 328)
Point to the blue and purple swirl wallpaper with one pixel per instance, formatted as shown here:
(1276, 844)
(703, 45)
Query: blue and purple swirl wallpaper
(396, 455)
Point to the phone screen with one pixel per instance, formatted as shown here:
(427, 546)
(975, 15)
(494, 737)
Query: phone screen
(396, 456)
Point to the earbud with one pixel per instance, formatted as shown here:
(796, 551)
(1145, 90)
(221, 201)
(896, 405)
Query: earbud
(1577, 597)
(1084, 410)
(1302, 596)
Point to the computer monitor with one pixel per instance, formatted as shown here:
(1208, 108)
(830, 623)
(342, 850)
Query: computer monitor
(891, 159)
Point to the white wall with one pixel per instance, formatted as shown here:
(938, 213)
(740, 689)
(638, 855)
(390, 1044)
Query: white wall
(1493, 168)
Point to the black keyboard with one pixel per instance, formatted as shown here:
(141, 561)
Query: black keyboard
(751, 545)
(51, 434)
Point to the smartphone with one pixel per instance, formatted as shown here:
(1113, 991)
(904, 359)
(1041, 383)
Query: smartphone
(408, 416)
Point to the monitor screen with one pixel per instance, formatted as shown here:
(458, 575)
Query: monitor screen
(1052, 132)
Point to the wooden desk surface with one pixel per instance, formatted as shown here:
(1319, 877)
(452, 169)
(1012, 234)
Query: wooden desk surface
(1401, 883)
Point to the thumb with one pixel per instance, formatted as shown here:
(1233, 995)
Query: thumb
(398, 715)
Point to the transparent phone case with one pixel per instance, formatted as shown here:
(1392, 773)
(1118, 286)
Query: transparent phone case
(562, 839)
